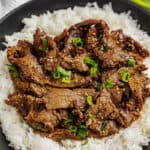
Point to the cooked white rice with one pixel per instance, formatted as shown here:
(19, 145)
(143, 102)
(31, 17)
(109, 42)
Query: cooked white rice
(20, 135)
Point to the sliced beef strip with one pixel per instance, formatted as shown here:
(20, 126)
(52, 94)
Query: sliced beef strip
(48, 58)
(98, 128)
(60, 134)
(117, 54)
(119, 39)
(137, 84)
(38, 36)
(22, 57)
(22, 102)
(86, 92)
(75, 63)
(125, 118)
(97, 35)
(116, 94)
(62, 99)
(112, 75)
(77, 80)
(104, 106)
(45, 120)
(50, 61)
(91, 39)
(29, 87)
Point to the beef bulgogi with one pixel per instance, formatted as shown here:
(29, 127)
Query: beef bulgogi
(86, 82)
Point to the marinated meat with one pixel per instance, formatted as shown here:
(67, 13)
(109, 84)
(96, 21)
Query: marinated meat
(85, 82)
(22, 57)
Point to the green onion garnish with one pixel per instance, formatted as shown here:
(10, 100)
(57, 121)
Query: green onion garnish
(89, 100)
(108, 84)
(44, 44)
(94, 70)
(65, 80)
(103, 48)
(100, 37)
(77, 42)
(63, 72)
(68, 121)
(14, 69)
(97, 86)
(84, 142)
(125, 75)
(82, 131)
(131, 62)
(73, 129)
(103, 127)
(90, 116)
(56, 74)
(90, 61)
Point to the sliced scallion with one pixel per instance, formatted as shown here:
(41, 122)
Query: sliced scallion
(66, 80)
(103, 127)
(14, 70)
(131, 62)
(90, 61)
(125, 74)
(56, 74)
(97, 86)
(108, 84)
(73, 129)
(82, 131)
(77, 42)
(44, 44)
(93, 70)
(89, 100)
(90, 116)
(63, 72)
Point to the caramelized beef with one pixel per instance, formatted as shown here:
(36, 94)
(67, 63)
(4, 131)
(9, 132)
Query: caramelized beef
(85, 82)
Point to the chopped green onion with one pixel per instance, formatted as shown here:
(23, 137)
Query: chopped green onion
(68, 121)
(100, 36)
(73, 129)
(103, 48)
(44, 44)
(108, 84)
(82, 131)
(93, 70)
(89, 100)
(131, 62)
(14, 69)
(66, 80)
(97, 86)
(90, 61)
(125, 74)
(77, 42)
(103, 127)
(56, 74)
(90, 116)
(63, 72)
(84, 142)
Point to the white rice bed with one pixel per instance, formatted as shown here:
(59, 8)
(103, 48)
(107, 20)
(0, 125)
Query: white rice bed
(20, 135)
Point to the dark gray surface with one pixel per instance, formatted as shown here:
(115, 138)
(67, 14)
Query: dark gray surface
(12, 22)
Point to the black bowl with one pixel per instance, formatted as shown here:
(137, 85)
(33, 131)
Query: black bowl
(12, 22)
